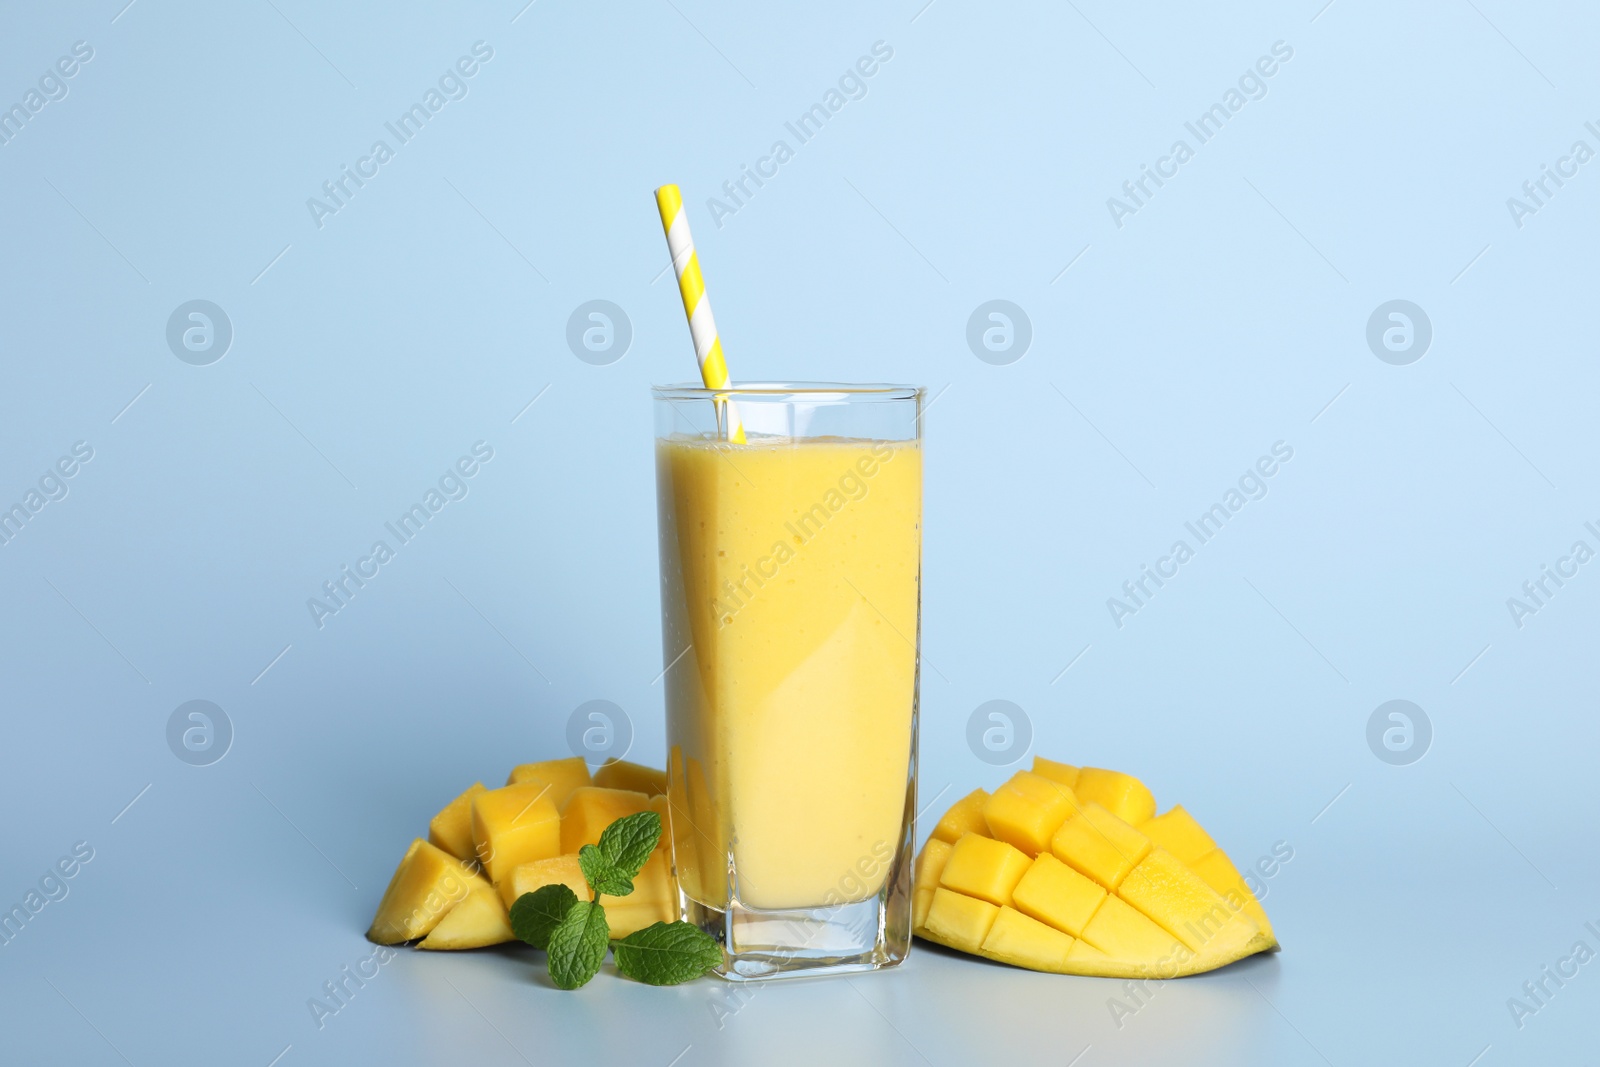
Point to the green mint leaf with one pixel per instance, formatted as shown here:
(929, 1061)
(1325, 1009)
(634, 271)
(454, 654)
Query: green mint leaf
(578, 945)
(628, 842)
(603, 875)
(667, 953)
(535, 914)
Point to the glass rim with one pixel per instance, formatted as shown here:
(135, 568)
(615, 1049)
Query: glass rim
(817, 391)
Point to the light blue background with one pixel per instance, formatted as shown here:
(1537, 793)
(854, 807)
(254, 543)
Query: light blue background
(1229, 313)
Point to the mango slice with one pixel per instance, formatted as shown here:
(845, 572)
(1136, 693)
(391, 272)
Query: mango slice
(984, 868)
(1056, 894)
(964, 816)
(959, 921)
(426, 885)
(1178, 833)
(1071, 871)
(1122, 795)
(1100, 845)
(1027, 810)
(1016, 939)
(591, 809)
(513, 825)
(620, 774)
(1183, 905)
(561, 775)
(451, 829)
(527, 877)
(925, 879)
(1065, 773)
(477, 921)
(1220, 874)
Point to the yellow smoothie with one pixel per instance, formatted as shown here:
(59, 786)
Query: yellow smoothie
(790, 583)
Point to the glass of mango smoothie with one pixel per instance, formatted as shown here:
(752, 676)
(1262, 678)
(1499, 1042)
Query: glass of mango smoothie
(790, 529)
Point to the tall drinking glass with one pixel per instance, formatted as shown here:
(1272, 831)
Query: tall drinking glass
(790, 607)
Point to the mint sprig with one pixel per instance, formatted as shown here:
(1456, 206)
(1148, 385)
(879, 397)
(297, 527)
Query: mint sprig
(574, 933)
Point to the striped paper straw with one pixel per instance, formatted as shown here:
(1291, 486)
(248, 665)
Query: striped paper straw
(702, 327)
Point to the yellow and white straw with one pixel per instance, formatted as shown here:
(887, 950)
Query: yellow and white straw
(702, 327)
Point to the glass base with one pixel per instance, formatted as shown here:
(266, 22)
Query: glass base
(759, 944)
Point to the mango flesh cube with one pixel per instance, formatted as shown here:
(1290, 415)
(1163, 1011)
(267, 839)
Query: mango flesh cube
(513, 825)
(1220, 874)
(984, 868)
(451, 829)
(935, 854)
(1181, 903)
(527, 877)
(1027, 810)
(925, 878)
(1178, 833)
(427, 884)
(1056, 894)
(1121, 794)
(654, 899)
(561, 775)
(1065, 773)
(620, 774)
(591, 809)
(1120, 931)
(1016, 939)
(477, 921)
(1099, 844)
(958, 921)
(964, 817)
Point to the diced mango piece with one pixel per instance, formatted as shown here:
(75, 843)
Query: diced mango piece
(562, 775)
(513, 825)
(477, 921)
(451, 829)
(1182, 904)
(620, 774)
(1120, 931)
(935, 854)
(426, 885)
(1065, 773)
(1220, 874)
(654, 899)
(964, 817)
(1015, 938)
(527, 877)
(984, 868)
(591, 809)
(1178, 833)
(1027, 811)
(1099, 844)
(1122, 795)
(959, 921)
(925, 878)
(1054, 893)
